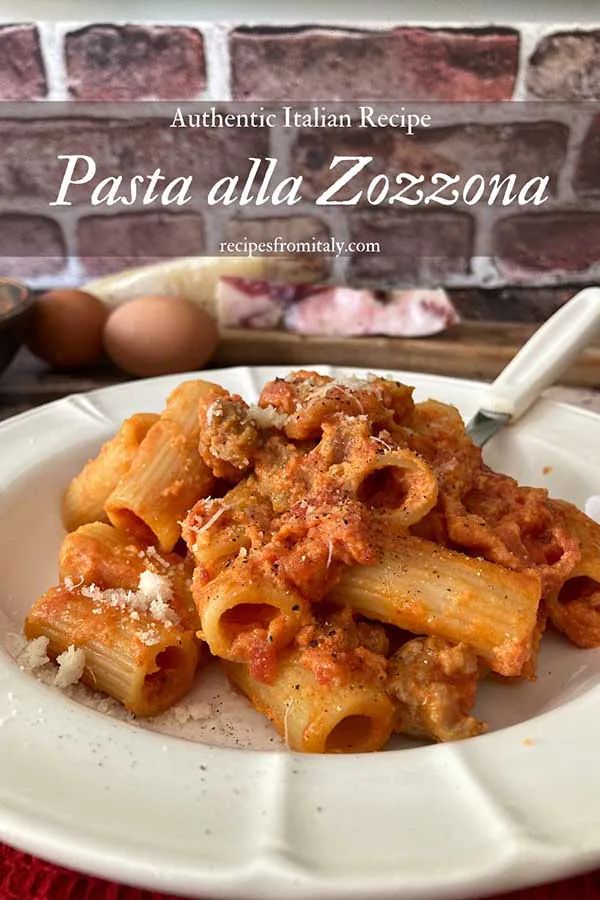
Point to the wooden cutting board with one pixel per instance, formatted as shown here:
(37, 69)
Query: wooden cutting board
(478, 350)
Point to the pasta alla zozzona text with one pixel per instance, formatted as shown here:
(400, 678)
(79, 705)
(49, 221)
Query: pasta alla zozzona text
(354, 180)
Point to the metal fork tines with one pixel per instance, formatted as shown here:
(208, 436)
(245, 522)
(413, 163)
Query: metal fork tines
(484, 426)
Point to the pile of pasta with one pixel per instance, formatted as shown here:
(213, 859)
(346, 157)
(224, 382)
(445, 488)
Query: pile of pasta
(341, 551)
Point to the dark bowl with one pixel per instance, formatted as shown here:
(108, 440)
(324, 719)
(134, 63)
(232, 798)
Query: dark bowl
(16, 310)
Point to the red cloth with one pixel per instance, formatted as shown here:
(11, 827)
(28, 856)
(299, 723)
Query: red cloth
(24, 877)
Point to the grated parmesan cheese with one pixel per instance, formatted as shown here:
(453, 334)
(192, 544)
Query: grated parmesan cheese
(118, 598)
(72, 585)
(214, 411)
(383, 443)
(353, 383)
(153, 554)
(209, 522)
(148, 637)
(330, 552)
(161, 611)
(266, 416)
(194, 712)
(33, 654)
(156, 588)
(347, 382)
(153, 597)
(71, 664)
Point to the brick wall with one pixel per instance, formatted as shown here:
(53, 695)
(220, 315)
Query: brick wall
(504, 253)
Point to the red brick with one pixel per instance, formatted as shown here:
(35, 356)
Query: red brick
(29, 168)
(587, 174)
(399, 64)
(109, 62)
(566, 66)
(527, 149)
(108, 243)
(416, 248)
(22, 75)
(565, 242)
(30, 245)
(510, 304)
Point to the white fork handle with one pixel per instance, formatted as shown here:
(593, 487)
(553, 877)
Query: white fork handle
(545, 356)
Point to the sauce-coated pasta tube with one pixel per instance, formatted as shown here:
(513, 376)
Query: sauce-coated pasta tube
(167, 475)
(355, 717)
(85, 497)
(216, 530)
(102, 555)
(248, 612)
(575, 609)
(427, 589)
(142, 663)
(396, 485)
(399, 486)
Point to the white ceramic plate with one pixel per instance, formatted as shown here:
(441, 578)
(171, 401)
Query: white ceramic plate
(197, 817)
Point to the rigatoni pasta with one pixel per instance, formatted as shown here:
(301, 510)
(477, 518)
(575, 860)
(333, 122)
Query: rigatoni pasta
(87, 494)
(346, 555)
(217, 530)
(248, 606)
(575, 608)
(167, 474)
(108, 558)
(144, 663)
(311, 717)
(417, 582)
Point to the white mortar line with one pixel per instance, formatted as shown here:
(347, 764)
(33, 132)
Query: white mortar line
(530, 35)
(51, 44)
(218, 64)
(280, 147)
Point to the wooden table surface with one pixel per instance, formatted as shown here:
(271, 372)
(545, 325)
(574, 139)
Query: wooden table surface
(28, 383)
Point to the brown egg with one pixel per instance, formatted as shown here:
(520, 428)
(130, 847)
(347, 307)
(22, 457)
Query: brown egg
(158, 335)
(66, 329)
